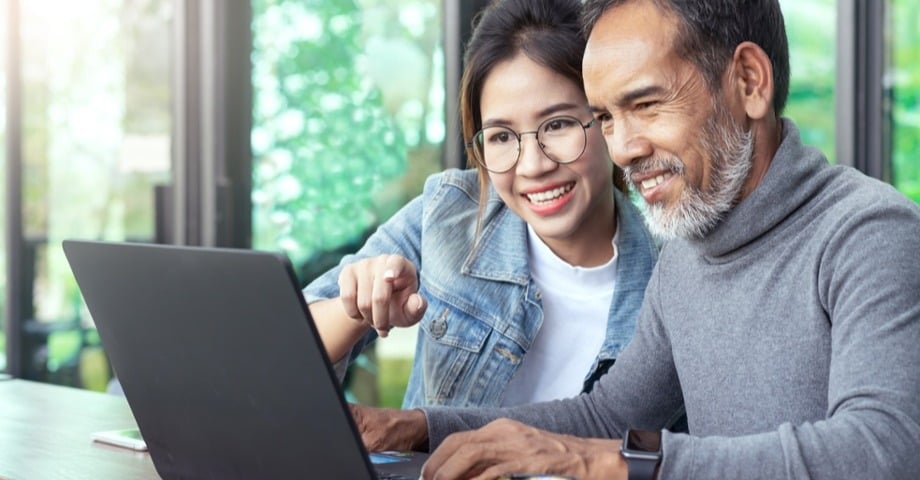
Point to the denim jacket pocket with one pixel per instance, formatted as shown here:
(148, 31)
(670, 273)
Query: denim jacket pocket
(450, 352)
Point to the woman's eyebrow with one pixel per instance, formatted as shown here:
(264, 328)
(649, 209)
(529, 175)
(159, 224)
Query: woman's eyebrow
(555, 108)
(559, 107)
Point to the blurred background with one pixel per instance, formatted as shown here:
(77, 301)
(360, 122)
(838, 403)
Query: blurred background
(301, 125)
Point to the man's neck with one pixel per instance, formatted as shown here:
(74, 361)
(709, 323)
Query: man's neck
(768, 135)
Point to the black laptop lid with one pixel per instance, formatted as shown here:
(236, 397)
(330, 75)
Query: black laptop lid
(219, 361)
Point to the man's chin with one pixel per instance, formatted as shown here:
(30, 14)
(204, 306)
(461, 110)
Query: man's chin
(660, 227)
(668, 223)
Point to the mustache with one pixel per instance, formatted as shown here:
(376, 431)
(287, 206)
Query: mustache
(670, 163)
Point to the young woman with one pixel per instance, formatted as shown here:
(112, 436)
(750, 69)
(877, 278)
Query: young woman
(526, 273)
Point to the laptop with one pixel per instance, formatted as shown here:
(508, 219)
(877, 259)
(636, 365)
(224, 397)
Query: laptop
(221, 364)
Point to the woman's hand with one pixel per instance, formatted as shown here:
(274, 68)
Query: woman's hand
(382, 292)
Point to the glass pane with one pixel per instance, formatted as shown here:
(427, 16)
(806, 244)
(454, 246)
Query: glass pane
(811, 26)
(96, 139)
(348, 121)
(905, 78)
(3, 46)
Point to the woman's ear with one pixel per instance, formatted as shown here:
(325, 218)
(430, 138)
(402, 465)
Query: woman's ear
(752, 75)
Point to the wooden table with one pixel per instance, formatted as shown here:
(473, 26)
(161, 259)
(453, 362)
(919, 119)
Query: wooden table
(45, 434)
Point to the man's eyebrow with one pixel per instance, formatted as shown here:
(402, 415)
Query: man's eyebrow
(595, 109)
(638, 93)
(630, 97)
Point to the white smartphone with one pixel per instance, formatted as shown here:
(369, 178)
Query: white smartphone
(127, 438)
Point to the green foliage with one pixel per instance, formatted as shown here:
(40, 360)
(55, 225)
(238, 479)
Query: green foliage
(905, 97)
(392, 380)
(811, 29)
(322, 140)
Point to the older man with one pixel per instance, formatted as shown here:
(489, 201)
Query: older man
(784, 313)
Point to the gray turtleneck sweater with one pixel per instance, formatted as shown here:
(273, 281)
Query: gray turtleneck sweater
(789, 333)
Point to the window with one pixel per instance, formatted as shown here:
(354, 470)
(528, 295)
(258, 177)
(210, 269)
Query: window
(811, 27)
(95, 140)
(904, 76)
(3, 72)
(349, 119)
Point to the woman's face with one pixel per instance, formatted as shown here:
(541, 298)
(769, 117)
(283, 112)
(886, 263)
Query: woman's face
(570, 206)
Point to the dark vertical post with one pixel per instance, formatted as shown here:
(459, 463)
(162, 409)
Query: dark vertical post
(864, 133)
(14, 306)
(234, 204)
(458, 18)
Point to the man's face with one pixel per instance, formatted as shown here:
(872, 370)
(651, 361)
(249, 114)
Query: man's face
(679, 145)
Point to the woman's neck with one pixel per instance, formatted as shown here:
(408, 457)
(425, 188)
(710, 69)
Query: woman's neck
(591, 245)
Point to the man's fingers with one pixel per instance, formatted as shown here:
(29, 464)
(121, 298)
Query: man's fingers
(550, 465)
(457, 459)
(486, 459)
(460, 455)
(502, 447)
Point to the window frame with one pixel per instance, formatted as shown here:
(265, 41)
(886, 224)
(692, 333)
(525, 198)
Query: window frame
(209, 202)
(863, 133)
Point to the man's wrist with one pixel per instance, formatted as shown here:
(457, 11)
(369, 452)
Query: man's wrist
(417, 424)
(608, 463)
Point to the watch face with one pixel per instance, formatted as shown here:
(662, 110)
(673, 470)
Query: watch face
(644, 441)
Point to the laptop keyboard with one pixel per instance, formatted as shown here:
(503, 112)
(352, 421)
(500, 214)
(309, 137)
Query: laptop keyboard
(393, 476)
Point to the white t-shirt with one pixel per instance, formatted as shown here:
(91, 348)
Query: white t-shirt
(576, 302)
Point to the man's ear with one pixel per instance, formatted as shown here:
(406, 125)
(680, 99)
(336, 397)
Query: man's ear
(752, 75)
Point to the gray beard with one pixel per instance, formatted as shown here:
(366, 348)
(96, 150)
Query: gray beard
(697, 212)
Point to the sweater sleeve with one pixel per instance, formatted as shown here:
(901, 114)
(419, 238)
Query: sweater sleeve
(640, 390)
(870, 287)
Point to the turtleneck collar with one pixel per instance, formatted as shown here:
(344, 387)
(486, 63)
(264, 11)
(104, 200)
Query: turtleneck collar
(791, 180)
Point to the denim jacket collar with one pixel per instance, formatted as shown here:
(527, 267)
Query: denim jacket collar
(501, 252)
(503, 257)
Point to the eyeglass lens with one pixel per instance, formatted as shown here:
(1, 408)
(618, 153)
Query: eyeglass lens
(562, 139)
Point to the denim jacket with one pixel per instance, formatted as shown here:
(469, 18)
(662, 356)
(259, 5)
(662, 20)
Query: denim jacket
(484, 310)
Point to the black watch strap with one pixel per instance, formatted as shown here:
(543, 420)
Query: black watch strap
(642, 451)
(641, 469)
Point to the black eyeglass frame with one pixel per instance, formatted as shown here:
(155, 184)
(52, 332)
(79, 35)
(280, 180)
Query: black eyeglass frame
(471, 145)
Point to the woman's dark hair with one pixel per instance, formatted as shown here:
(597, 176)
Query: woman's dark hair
(549, 32)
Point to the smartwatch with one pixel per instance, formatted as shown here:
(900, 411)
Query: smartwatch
(642, 451)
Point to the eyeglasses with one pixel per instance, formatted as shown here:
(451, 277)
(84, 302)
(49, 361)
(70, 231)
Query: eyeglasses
(562, 139)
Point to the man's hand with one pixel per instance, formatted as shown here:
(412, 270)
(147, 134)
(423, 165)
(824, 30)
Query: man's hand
(382, 291)
(506, 447)
(391, 429)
